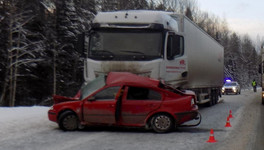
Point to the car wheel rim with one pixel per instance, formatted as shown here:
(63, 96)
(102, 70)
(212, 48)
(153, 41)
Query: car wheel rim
(162, 122)
(70, 122)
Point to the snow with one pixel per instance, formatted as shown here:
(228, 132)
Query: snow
(28, 128)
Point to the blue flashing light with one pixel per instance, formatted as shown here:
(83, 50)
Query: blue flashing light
(228, 80)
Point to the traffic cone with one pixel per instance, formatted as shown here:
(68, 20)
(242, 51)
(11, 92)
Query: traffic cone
(230, 114)
(211, 138)
(228, 123)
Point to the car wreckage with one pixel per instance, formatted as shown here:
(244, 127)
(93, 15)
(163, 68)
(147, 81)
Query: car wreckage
(125, 99)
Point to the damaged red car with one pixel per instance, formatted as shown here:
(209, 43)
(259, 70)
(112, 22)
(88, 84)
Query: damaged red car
(125, 99)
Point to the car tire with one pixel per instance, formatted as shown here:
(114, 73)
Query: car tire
(162, 123)
(262, 101)
(68, 121)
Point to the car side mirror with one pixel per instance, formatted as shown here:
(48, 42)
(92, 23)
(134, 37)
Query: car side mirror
(80, 47)
(91, 99)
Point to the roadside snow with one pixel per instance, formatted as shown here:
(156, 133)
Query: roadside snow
(20, 121)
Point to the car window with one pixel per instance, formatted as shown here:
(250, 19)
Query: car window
(230, 84)
(92, 86)
(139, 93)
(107, 94)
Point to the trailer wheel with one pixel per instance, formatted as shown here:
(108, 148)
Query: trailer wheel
(68, 121)
(213, 98)
(216, 97)
(162, 123)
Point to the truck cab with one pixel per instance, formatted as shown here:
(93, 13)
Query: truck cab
(146, 43)
(157, 44)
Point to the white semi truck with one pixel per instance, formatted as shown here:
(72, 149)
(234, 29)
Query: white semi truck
(161, 45)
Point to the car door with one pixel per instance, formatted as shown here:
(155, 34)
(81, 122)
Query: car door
(137, 103)
(101, 107)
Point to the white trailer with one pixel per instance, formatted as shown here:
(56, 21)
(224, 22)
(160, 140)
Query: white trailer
(161, 45)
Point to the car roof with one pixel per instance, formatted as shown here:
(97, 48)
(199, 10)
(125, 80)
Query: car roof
(129, 78)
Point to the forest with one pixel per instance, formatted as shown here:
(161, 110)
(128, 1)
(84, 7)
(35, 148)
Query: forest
(38, 42)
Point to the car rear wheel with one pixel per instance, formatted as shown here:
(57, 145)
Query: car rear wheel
(68, 121)
(162, 123)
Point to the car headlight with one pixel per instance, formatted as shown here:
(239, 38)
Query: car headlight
(51, 108)
(192, 101)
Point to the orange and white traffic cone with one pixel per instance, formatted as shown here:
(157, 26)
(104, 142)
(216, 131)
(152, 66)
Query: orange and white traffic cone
(211, 137)
(228, 123)
(230, 114)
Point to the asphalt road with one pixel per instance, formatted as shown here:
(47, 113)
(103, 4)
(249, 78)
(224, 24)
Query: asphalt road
(248, 130)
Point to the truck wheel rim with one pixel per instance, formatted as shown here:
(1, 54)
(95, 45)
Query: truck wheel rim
(70, 122)
(162, 122)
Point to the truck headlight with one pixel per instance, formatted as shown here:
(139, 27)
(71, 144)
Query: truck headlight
(262, 94)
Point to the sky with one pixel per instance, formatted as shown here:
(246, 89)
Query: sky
(242, 16)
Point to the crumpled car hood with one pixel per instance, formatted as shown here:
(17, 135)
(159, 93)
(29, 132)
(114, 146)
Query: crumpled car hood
(59, 99)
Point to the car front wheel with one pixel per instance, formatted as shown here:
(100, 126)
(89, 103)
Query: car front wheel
(162, 123)
(68, 121)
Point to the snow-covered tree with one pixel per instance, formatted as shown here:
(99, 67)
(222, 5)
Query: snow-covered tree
(22, 49)
(71, 20)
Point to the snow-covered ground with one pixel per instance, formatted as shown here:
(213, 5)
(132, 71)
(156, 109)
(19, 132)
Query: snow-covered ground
(28, 128)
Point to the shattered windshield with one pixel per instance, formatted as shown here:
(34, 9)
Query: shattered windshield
(125, 45)
(89, 88)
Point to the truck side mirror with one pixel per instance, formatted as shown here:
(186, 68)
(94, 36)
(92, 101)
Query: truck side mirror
(80, 44)
(260, 68)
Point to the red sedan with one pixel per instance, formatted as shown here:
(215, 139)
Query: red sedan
(125, 99)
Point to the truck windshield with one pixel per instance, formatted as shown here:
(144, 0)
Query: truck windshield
(92, 86)
(125, 45)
